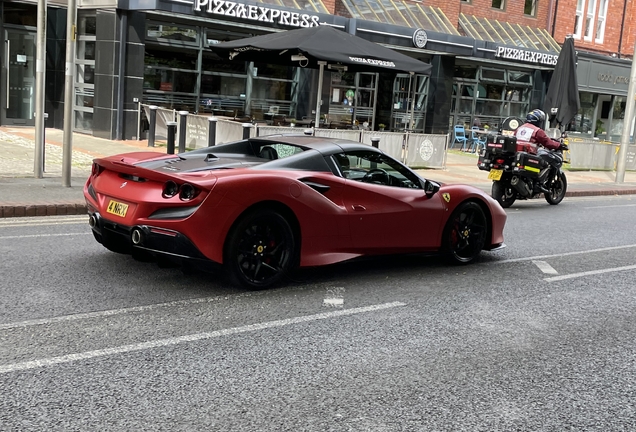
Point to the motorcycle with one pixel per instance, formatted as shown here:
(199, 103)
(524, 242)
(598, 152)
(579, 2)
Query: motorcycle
(522, 170)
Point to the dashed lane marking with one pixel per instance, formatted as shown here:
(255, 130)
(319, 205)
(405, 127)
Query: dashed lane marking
(40, 363)
(41, 235)
(540, 257)
(545, 267)
(589, 273)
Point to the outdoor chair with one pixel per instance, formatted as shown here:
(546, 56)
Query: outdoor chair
(460, 136)
(478, 141)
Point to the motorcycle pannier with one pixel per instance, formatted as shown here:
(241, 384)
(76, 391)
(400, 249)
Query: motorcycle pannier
(529, 165)
(501, 144)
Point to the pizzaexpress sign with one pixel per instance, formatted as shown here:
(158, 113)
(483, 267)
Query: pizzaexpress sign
(526, 56)
(256, 13)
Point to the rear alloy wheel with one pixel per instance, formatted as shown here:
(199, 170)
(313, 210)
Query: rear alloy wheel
(557, 188)
(503, 193)
(260, 249)
(465, 233)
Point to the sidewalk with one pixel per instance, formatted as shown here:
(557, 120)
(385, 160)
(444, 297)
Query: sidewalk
(23, 195)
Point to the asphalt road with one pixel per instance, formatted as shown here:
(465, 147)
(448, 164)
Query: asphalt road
(536, 337)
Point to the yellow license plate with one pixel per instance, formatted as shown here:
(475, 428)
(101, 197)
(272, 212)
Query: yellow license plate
(495, 175)
(117, 208)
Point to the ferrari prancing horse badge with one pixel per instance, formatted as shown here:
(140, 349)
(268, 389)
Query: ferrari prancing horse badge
(446, 197)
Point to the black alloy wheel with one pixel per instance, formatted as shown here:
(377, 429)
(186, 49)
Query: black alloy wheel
(260, 249)
(504, 193)
(557, 186)
(465, 233)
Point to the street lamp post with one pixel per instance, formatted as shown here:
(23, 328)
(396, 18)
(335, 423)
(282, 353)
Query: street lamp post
(67, 148)
(628, 122)
(40, 69)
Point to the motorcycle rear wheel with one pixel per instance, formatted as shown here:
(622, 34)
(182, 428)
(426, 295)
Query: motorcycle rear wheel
(557, 188)
(503, 193)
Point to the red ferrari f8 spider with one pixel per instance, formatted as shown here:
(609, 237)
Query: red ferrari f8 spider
(263, 206)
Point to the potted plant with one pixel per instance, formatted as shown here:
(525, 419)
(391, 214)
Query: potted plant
(381, 127)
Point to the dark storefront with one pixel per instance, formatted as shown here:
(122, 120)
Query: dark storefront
(158, 53)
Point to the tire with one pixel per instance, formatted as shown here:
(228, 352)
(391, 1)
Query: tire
(557, 187)
(465, 233)
(260, 249)
(503, 193)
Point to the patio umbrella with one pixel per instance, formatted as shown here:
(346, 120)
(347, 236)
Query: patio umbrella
(562, 99)
(315, 47)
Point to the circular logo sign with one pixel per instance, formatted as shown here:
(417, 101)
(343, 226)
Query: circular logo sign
(426, 149)
(420, 38)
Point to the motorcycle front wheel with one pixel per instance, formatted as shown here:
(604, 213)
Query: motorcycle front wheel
(558, 186)
(503, 193)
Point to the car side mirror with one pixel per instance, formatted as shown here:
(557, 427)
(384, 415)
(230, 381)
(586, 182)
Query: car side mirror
(430, 188)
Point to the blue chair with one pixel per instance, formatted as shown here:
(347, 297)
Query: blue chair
(478, 141)
(460, 136)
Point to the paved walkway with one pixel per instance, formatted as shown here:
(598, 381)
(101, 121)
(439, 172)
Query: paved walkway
(21, 194)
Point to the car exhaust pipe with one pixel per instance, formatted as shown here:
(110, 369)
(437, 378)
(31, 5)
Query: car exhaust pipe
(136, 237)
(92, 221)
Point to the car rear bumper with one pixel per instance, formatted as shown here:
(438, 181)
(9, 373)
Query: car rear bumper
(143, 238)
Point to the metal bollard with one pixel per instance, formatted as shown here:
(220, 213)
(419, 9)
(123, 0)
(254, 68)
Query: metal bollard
(183, 119)
(211, 131)
(375, 142)
(246, 130)
(172, 132)
(152, 128)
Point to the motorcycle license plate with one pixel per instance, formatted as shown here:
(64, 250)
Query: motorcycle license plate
(495, 175)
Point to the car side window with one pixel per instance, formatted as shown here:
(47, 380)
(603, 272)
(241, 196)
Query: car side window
(278, 150)
(376, 168)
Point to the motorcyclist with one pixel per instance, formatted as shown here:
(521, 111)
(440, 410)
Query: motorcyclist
(532, 132)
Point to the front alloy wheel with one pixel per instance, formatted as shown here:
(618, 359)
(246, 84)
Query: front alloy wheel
(465, 233)
(557, 187)
(260, 249)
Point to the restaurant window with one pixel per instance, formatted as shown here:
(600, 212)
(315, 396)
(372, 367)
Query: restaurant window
(578, 19)
(486, 102)
(352, 100)
(406, 112)
(582, 122)
(530, 7)
(272, 86)
(172, 33)
(170, 78)
(499, 4)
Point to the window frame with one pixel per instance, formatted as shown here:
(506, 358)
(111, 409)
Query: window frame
(590, 15)
(601, 21)
(579, 18)
(533, 7)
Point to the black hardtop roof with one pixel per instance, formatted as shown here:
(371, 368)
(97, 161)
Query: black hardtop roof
(325, 145)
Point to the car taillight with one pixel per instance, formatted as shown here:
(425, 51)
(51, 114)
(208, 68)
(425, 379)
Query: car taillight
(96, 169)
(187, 192)
(170, 189)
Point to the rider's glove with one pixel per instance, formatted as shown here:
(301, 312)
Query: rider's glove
(564, 146)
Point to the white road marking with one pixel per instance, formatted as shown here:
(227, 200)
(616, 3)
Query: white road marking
(41, 235)
(333, 302)
(545, 267)
(539, 257)
(610, 206)
(112, 312)
(42, 221)
(589, 273)
(189, 338)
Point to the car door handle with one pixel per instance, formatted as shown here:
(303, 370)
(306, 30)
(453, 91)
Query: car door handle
(358, 207)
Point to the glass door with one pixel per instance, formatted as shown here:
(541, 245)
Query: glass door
(19, 78)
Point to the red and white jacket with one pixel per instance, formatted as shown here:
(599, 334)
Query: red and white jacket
(533, 134)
